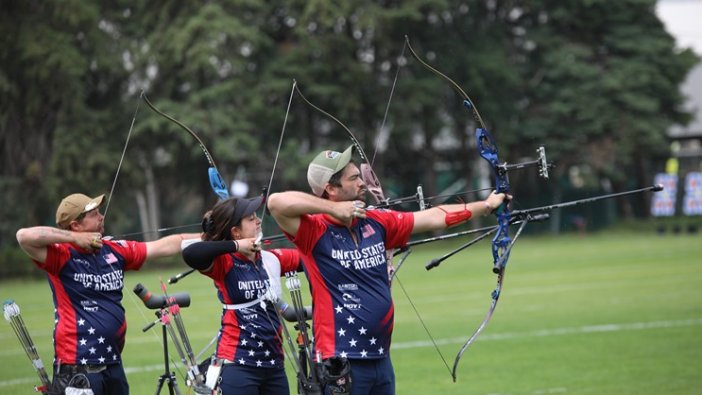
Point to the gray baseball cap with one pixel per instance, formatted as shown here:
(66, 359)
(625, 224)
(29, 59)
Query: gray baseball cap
(324, 166)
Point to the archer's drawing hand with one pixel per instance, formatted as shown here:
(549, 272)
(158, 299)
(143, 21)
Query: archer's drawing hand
(248, 246)
(88, 240)
(347, 211)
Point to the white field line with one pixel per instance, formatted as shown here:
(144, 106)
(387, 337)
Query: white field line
(556, 332)
(457, 340)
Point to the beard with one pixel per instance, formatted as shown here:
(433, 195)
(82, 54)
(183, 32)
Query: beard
(361, 195)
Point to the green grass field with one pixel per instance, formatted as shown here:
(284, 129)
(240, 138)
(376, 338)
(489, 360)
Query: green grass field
(610, 313)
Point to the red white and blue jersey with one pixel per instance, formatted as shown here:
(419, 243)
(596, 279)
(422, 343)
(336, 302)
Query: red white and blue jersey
(353, 312)
(87, 292)
(250, 333)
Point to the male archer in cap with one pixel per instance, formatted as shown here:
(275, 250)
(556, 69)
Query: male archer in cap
(343, 246)
(86, 276)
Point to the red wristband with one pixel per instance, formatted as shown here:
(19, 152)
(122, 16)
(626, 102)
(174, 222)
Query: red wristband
(457, 217)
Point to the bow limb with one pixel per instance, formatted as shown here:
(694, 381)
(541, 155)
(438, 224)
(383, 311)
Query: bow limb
(468, 102)
(216, 182)
(367, 173)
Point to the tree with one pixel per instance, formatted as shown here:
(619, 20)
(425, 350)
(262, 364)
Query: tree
(601, 85)
(58, 80)
(595, 81)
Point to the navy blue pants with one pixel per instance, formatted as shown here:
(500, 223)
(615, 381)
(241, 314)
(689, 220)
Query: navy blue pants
(246, 380)
(111, 381)
(372, 377)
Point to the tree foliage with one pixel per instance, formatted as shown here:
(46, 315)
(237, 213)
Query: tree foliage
(595, 81)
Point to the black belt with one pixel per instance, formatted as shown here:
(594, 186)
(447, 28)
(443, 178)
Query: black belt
(75, 369)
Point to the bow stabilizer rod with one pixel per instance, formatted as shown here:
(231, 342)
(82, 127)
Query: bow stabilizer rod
(514, 220)
(652, 188)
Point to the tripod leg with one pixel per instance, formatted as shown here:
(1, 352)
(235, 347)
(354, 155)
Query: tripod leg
(167, 374)
(159, 385)
(173, 385)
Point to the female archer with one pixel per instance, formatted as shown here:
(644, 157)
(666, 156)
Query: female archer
(247, 279)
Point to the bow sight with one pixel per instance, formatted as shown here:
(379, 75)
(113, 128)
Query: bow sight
(543, 165)
(488, 150)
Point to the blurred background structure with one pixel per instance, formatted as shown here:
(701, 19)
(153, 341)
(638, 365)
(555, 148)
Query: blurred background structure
(683, 169)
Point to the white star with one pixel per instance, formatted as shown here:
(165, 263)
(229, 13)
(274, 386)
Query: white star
(109, 348)
(351, 320)
(352, 342)
(267, 353)
(114, 357)
(373, 340)
(342, 332)
(241, 361)
(91, 330)
(101, 359)
(260, 344)
(253, 335)
(83, 342)
(84, 361)
(244, 342)
(272, 361)
(92, 350)
(243, 327)
(364, 353)
(251, 353)
(381, 351)
(362, 330)
(101, 340)
(259, 363)
(338, 309)
(81, 322)
(343, 354)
